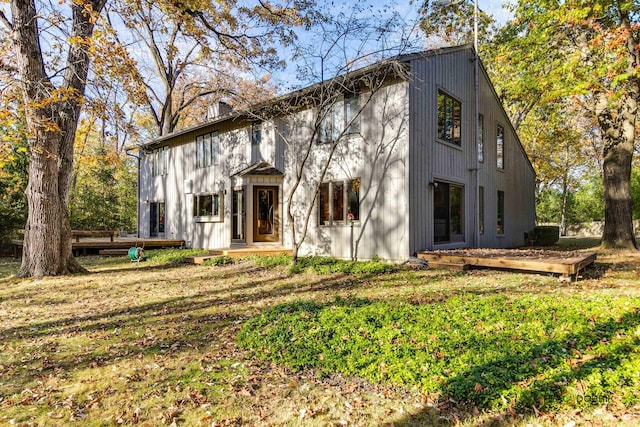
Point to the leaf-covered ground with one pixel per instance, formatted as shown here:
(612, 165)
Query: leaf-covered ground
(157, 343)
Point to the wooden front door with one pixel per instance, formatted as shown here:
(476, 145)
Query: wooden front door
(266, 221)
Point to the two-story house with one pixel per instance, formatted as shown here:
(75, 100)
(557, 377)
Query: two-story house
(385, 166)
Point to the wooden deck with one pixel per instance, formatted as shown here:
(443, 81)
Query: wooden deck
(568, 265)
(95, 245)
(238, 253)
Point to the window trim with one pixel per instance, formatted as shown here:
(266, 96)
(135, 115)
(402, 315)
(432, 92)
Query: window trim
(453, 141)
(347, 186)
(214, 217)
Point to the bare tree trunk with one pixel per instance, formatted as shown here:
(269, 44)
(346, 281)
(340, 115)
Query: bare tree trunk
(619, 134)
(52, 123)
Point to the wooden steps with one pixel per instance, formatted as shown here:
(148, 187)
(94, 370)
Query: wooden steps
(454, 266)
(113, 252)
(238, 253)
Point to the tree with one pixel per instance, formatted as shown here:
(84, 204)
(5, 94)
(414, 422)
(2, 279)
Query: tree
(587, 52)
(180, 54)
(54, 80)
(52, 104)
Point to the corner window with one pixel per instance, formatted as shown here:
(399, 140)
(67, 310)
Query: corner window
(160, 161)
(500, 147)
(448, 213)
(500, 219)
(449, 112)
(256, 133)
(207, 149)
(207, 207)
(480, 131)
(341, 118)
(339, 202)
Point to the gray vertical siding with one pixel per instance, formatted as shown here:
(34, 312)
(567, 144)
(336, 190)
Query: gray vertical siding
(395, 156)
(453, 71)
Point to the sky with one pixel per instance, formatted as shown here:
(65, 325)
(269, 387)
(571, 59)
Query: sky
(290, 78)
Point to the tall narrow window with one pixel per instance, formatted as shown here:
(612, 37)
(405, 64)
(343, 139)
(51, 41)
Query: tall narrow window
(481, 209)
(238, 215)
(256, 133)
(215, 148)
(480, 138)
(500, 148)
(325, 210)
(500, 219)
(160, 161)
(448, 213)
(342, 117)
(353, 200)
(449, 118)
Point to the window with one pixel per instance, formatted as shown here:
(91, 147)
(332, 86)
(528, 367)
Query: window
(448, 213)
(449, 112)
(500, 218)
(500, 148)
(256, 133)
(339, 202)
(480, 138)
(160, 161)
(481, 209)
(207, 150)
(340, 118)
(207, 205)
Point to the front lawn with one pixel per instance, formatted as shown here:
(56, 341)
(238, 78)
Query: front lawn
(251, 342)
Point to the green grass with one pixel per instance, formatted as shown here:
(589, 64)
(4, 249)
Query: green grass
(337, 343)
(494, 352)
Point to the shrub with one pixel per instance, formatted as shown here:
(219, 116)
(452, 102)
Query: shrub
(271, 261)
(329, 265)
(219, 261)
(546, 235)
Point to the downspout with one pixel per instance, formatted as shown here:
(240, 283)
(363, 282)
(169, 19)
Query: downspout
(137, 157)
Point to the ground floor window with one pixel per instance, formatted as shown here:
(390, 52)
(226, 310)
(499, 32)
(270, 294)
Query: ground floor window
(500, 218)
(207, 206)
(156, 218)
(339, 202)
(448, 213)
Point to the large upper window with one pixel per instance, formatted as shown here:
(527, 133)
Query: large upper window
(449, 112)
(207, 149)
(448, 213)
(500, 147)
(340, 118)
(160, 161)
(207, 206)
(339, 202)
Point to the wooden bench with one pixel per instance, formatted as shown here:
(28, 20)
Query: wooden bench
(77, 234)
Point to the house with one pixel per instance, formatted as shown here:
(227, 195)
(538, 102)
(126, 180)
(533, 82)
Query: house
(383, 163)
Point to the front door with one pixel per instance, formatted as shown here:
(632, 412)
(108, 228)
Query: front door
(266, 222)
